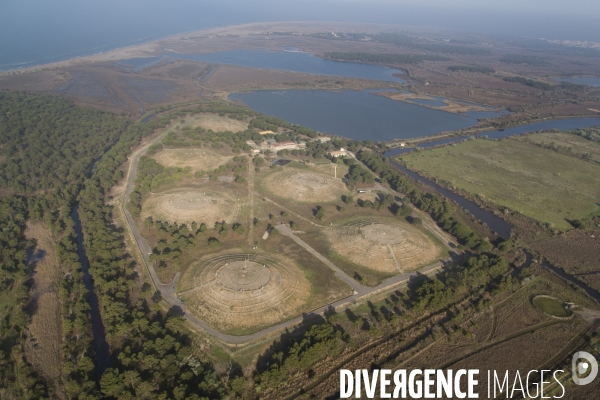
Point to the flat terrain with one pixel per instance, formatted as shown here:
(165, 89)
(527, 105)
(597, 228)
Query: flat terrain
(99, 82)
(305, 186)
(565, 142)
(198, 159)
(191, 204)
(539, 183)
(43, 345)
(385, 245)
(218, 123)
(550, 306)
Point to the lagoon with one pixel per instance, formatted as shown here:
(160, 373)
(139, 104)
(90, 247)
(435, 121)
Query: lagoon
(580, 80)
(296, 61)
(359, 115)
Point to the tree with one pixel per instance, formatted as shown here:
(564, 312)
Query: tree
(415, 220)
(319, 213)
(240, 179)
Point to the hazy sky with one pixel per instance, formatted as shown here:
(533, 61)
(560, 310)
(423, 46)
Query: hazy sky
(584, 8)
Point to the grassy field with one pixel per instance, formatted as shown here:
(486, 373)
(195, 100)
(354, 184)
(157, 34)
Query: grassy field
(43, 345)
(218, 123)
(198, 159)
(551, 306)
(540, 183)
(563, 141)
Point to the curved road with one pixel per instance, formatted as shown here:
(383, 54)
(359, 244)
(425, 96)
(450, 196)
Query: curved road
(168, 291)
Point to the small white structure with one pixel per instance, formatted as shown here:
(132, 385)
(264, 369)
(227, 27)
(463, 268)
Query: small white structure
(338, 153)
(289, 145)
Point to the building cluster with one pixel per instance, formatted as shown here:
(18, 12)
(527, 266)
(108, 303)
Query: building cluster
(274, 146)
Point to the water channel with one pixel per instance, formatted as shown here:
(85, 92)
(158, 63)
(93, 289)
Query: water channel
(592, 81)
(99, 336)
(497, 224)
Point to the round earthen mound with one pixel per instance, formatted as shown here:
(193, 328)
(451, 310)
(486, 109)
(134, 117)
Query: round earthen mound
(386, 247)
(190, 205)
(242, 291)
(305, 186)
(243, 275)
(383, 234)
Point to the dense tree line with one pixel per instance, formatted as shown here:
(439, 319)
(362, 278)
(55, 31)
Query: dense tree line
(592, 133)
(529, 82)
(151, 352)
(17, 380)
(359, 174)
(47, 141)
(472, 68)
(483, 273)
(524, 59)
(383, 58)
(47, 147)
(79, 368)
(407, 41)
(439, 209)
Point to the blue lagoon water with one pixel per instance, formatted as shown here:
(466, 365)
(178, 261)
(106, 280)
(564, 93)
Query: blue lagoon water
(560, 124)
(295, 61)
(580, 80)
(356, 114)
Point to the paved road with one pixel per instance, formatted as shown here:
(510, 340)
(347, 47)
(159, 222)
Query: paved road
(169, 294)
(361, 290)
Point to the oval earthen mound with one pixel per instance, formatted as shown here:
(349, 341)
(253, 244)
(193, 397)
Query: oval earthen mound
(190, 205)
(385, 247)
(245, 291)
(195, 158)
(305, 186)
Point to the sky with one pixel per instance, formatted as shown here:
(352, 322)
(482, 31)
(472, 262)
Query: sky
(48, 30)
(583, 8)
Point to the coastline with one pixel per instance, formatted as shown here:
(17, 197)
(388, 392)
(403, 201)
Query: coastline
(153, 48)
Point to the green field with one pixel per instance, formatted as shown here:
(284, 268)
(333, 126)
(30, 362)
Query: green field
(540, 183)
(562, 141)
(551, 306)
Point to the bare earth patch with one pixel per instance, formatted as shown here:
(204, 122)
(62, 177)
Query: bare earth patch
(242, 292)
(188, 205)
(219, 124)
(305, 186)
(42, 348)
(384, 247)
(197, 159)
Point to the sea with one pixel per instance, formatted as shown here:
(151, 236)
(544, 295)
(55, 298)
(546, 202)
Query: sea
(34, 32)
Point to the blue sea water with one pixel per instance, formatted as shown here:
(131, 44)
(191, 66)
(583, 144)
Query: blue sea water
(36, 31)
